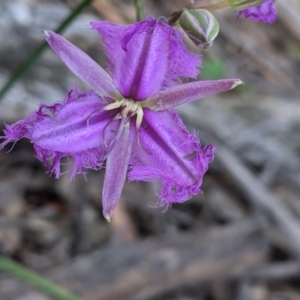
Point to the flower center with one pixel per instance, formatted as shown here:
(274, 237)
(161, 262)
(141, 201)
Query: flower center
(128, 108)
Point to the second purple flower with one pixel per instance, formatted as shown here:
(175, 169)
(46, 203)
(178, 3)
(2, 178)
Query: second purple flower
(264, 12)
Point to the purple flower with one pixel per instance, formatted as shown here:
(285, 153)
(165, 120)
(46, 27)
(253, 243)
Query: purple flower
(264, 12)
(127, 119)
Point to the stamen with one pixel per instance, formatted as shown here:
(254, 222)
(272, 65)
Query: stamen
(117, 117)
(114, 105)
(123, 122)
(91, 114)
(104, 130)
(12, 147)
(129, 108)
(139, 117)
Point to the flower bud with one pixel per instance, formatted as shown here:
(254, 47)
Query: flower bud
(200, 26)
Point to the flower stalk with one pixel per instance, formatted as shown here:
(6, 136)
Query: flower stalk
(138, 8)
(218, 4)
(211, 4)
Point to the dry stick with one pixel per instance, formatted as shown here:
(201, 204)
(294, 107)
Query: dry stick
(289, 15)
(265, 274)
(253, 188)
(152, 267)
(261, 197)
(277, 271)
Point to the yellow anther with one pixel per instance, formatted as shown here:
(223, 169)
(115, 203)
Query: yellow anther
(129, 108)
(113, 105)
(139, 117)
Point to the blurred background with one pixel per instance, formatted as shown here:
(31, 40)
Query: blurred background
(240, 240)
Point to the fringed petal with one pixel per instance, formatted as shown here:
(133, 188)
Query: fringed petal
(82, 65)
(166, 151)
(265, 12)
(184, 93)
(75, 128)
(146, 56)
(116, 168)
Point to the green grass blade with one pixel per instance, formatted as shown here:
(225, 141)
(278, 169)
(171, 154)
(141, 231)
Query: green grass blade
(36, 280)
(40, 49)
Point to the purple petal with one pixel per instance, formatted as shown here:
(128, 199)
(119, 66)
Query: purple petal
(184, 93)
(146, 56)
(169, 153)
(74, 128)
(82, 65)
(265, 12)
(116, 168)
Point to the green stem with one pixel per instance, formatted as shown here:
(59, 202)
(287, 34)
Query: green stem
(37, 280)
(40, 49)
(138, 8)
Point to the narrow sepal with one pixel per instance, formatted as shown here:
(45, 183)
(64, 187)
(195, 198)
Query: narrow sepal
(82, 65)
(116, 168)
(184, 93)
